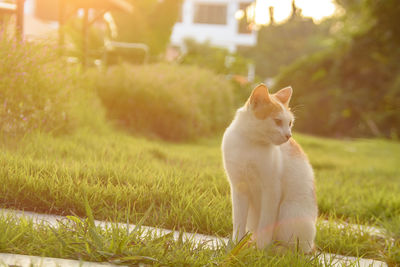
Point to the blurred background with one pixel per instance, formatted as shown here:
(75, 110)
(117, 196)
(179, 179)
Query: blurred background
(177, 69)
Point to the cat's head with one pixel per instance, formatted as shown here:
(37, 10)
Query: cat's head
(270, 114)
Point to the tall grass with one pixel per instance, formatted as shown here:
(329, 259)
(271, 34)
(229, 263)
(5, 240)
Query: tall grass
(170, 101)
(122, 177)
(80, 239)
(38, 91)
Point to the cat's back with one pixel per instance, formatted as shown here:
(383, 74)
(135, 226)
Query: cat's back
(232, 144)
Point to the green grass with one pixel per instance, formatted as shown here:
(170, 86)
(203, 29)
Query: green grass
(122, 176)
(80, 239)
(56, 152)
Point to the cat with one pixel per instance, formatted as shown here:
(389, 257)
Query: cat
(271, 179)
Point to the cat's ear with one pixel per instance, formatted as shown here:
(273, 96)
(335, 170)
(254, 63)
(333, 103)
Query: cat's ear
(284, 95)
(259, 95)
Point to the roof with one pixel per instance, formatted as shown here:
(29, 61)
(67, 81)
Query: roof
(7, 8)
(122, 5)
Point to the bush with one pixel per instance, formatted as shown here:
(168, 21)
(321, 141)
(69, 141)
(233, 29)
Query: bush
(39, 92)
(344, 94)
(353, 88)
(170, 101)
(217, 59)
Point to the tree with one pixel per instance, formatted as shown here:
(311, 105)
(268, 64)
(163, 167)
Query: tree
(278, 45)
(151, 23)
(354, 87)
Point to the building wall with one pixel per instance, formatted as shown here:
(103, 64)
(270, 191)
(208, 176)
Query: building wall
(219, 35)
(35, 27)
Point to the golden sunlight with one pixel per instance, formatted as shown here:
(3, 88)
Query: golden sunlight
(315, 9)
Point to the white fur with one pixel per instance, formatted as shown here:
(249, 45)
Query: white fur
(272, 189)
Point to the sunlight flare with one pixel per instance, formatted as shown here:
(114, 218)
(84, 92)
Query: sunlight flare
(315, 9)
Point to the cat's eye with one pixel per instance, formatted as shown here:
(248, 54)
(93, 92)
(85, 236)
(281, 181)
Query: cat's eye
(278, 122)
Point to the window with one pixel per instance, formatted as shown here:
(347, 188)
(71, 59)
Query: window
(210, 14)
(244, 25)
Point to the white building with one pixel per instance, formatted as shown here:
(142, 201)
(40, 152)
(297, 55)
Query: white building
(215, 21)
(35, 26)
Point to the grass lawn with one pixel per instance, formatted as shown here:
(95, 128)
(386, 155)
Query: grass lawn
(80, 239)
(184, 185)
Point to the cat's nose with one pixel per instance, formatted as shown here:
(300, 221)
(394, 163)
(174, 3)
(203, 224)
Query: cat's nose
(288, 136)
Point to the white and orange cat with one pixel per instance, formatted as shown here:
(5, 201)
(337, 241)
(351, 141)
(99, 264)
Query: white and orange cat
(272, 181)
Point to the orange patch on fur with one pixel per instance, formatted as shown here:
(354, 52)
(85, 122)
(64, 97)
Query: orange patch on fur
(266, 105)
(295, 149)
(267, 109)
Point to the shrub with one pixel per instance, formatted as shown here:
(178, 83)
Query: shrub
(352, 88)
(339, 96)
(170, 101)
(39, 92)
(220, 60)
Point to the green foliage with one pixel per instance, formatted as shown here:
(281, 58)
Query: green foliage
(219, 60)
(118, 55)
(353, 89)
(170, 101)
(151, 23)
(76, 238)
(279, 45)
(184, 184)
(95, 39)
(40, 92)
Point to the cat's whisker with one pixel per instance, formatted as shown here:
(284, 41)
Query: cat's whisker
(296, 108)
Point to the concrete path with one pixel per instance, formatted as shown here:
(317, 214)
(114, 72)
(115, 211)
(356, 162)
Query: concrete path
(340, 261)
(211, 241)
(34, 261)
(374, 231)
(52, 220)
